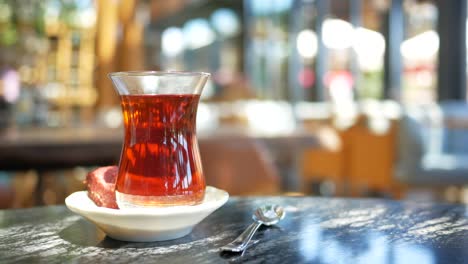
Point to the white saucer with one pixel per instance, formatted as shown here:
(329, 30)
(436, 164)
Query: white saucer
(145, 225)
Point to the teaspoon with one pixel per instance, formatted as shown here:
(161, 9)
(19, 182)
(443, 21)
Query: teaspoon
(265, 215)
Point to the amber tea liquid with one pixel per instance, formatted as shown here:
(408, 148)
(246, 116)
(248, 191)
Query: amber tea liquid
(160, 163)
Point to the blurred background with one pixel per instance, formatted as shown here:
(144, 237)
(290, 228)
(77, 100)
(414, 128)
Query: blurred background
(357, 98)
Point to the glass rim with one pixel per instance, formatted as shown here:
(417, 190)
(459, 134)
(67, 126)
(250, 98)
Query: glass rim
(157, 73)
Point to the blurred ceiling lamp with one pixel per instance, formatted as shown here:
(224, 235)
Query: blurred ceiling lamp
(198, 33)
(307, 43)
(422, 47)
(172, 41)
(337, 34)
(226, 22)
(369, 46)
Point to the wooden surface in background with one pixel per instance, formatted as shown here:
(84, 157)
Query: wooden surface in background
(240, 162)
(362, 165)
(106, 47)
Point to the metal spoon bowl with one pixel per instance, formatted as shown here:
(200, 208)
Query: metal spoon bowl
(266, 215)
(269, 214)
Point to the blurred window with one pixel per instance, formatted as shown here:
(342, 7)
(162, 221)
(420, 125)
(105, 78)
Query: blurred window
(369, 48)
(268, 47)
(467, 50)
(356, 48)
(306, 43)
(419, 52)
(337, 36)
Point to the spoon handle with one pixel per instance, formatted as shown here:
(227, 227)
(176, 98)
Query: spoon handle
(242, 241)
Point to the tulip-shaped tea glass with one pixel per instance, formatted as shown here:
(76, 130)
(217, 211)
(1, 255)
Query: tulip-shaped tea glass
(160, 161)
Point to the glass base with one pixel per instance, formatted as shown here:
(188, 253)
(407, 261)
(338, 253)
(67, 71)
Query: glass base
(139, 201)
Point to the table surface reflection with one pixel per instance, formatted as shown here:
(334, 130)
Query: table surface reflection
(315, 230)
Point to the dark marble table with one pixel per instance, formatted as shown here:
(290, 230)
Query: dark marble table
(315, 230)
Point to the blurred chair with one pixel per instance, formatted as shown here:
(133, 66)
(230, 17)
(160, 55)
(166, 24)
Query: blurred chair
(433, 145)
(6, 192)
(239, 165)
(17, 189)
(362, 162)
(323, 168)
(24, 185)
(371, 158)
